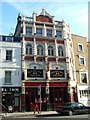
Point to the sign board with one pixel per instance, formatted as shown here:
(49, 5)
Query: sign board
(39, 90)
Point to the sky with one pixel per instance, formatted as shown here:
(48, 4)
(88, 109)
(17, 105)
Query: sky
(75, 13)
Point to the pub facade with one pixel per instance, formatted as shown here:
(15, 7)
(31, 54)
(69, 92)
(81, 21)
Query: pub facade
(47, 61)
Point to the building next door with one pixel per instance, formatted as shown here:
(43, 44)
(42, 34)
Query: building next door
(57, 96)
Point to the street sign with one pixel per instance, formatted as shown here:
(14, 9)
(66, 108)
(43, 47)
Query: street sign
(39, 90)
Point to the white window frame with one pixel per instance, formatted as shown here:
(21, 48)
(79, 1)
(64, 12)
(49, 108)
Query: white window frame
(50, 51)
(1, 38)
(8, 79)
(80, 49)
(58, 35)
(40, 50)
(9, 39)
(86, 77)
(39, 31)
(81, 57)
(11, 55)
(29, 31)
(49, 32)
(28, 49)
(60, 51)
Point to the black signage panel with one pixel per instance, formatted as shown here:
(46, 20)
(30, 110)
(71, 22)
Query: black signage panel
(35, 73)
(57, 73)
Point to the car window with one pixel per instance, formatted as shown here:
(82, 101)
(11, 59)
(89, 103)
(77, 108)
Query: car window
(80, 105)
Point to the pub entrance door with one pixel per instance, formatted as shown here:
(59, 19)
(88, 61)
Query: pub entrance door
(31, 94)
(57, 96)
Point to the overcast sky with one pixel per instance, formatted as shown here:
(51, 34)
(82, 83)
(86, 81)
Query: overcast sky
(75, 13)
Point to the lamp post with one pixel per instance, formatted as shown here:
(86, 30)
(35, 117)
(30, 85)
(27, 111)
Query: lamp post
(39, 93)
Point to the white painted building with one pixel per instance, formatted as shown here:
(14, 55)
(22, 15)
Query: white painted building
(10, 71)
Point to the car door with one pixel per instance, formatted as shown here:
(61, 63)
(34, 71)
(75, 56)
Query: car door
(76, 108)
(82, 108)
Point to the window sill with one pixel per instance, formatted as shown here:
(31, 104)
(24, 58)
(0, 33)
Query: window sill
(7, 84)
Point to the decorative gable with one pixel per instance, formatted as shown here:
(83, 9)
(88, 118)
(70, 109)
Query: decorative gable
(42, 18)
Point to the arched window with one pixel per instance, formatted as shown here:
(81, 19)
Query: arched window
(40, 50)
(28, 49)
(60, 51)
(50, 51)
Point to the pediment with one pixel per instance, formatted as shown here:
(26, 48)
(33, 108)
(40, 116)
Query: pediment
(44, 16)
(83, 70)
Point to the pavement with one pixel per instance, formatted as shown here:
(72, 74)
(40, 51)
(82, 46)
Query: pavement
(26, 114)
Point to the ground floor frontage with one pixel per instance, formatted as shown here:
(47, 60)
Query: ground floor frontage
(11, 97)
(84, 94)
(51, 96)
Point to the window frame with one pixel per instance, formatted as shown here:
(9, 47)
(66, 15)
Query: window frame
(58, 35)
(28, 49)
(84, 73)
(50, 51)
(9, 55)
(29, 31)
(8, 79)
(60, 51)
(39, 31)
(79, 47)
(9, 39)
(40, 50)
(49, 32)
(80, 62)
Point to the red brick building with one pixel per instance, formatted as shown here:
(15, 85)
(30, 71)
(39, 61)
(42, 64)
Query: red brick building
(47, 61)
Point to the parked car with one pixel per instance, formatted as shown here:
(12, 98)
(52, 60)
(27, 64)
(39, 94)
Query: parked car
(73, 108)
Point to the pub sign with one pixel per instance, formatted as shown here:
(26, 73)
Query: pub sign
(35, 73)
(57, 73)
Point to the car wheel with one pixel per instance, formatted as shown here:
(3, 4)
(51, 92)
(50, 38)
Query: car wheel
(70, 112)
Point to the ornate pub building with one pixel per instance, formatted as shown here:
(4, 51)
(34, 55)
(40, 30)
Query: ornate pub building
(47, 61)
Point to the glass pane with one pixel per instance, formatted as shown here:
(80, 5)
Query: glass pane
(83, 78)
(8, 54)
(7, 76)
(16, 101)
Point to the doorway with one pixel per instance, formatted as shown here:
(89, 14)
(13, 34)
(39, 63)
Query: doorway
(58, 96)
